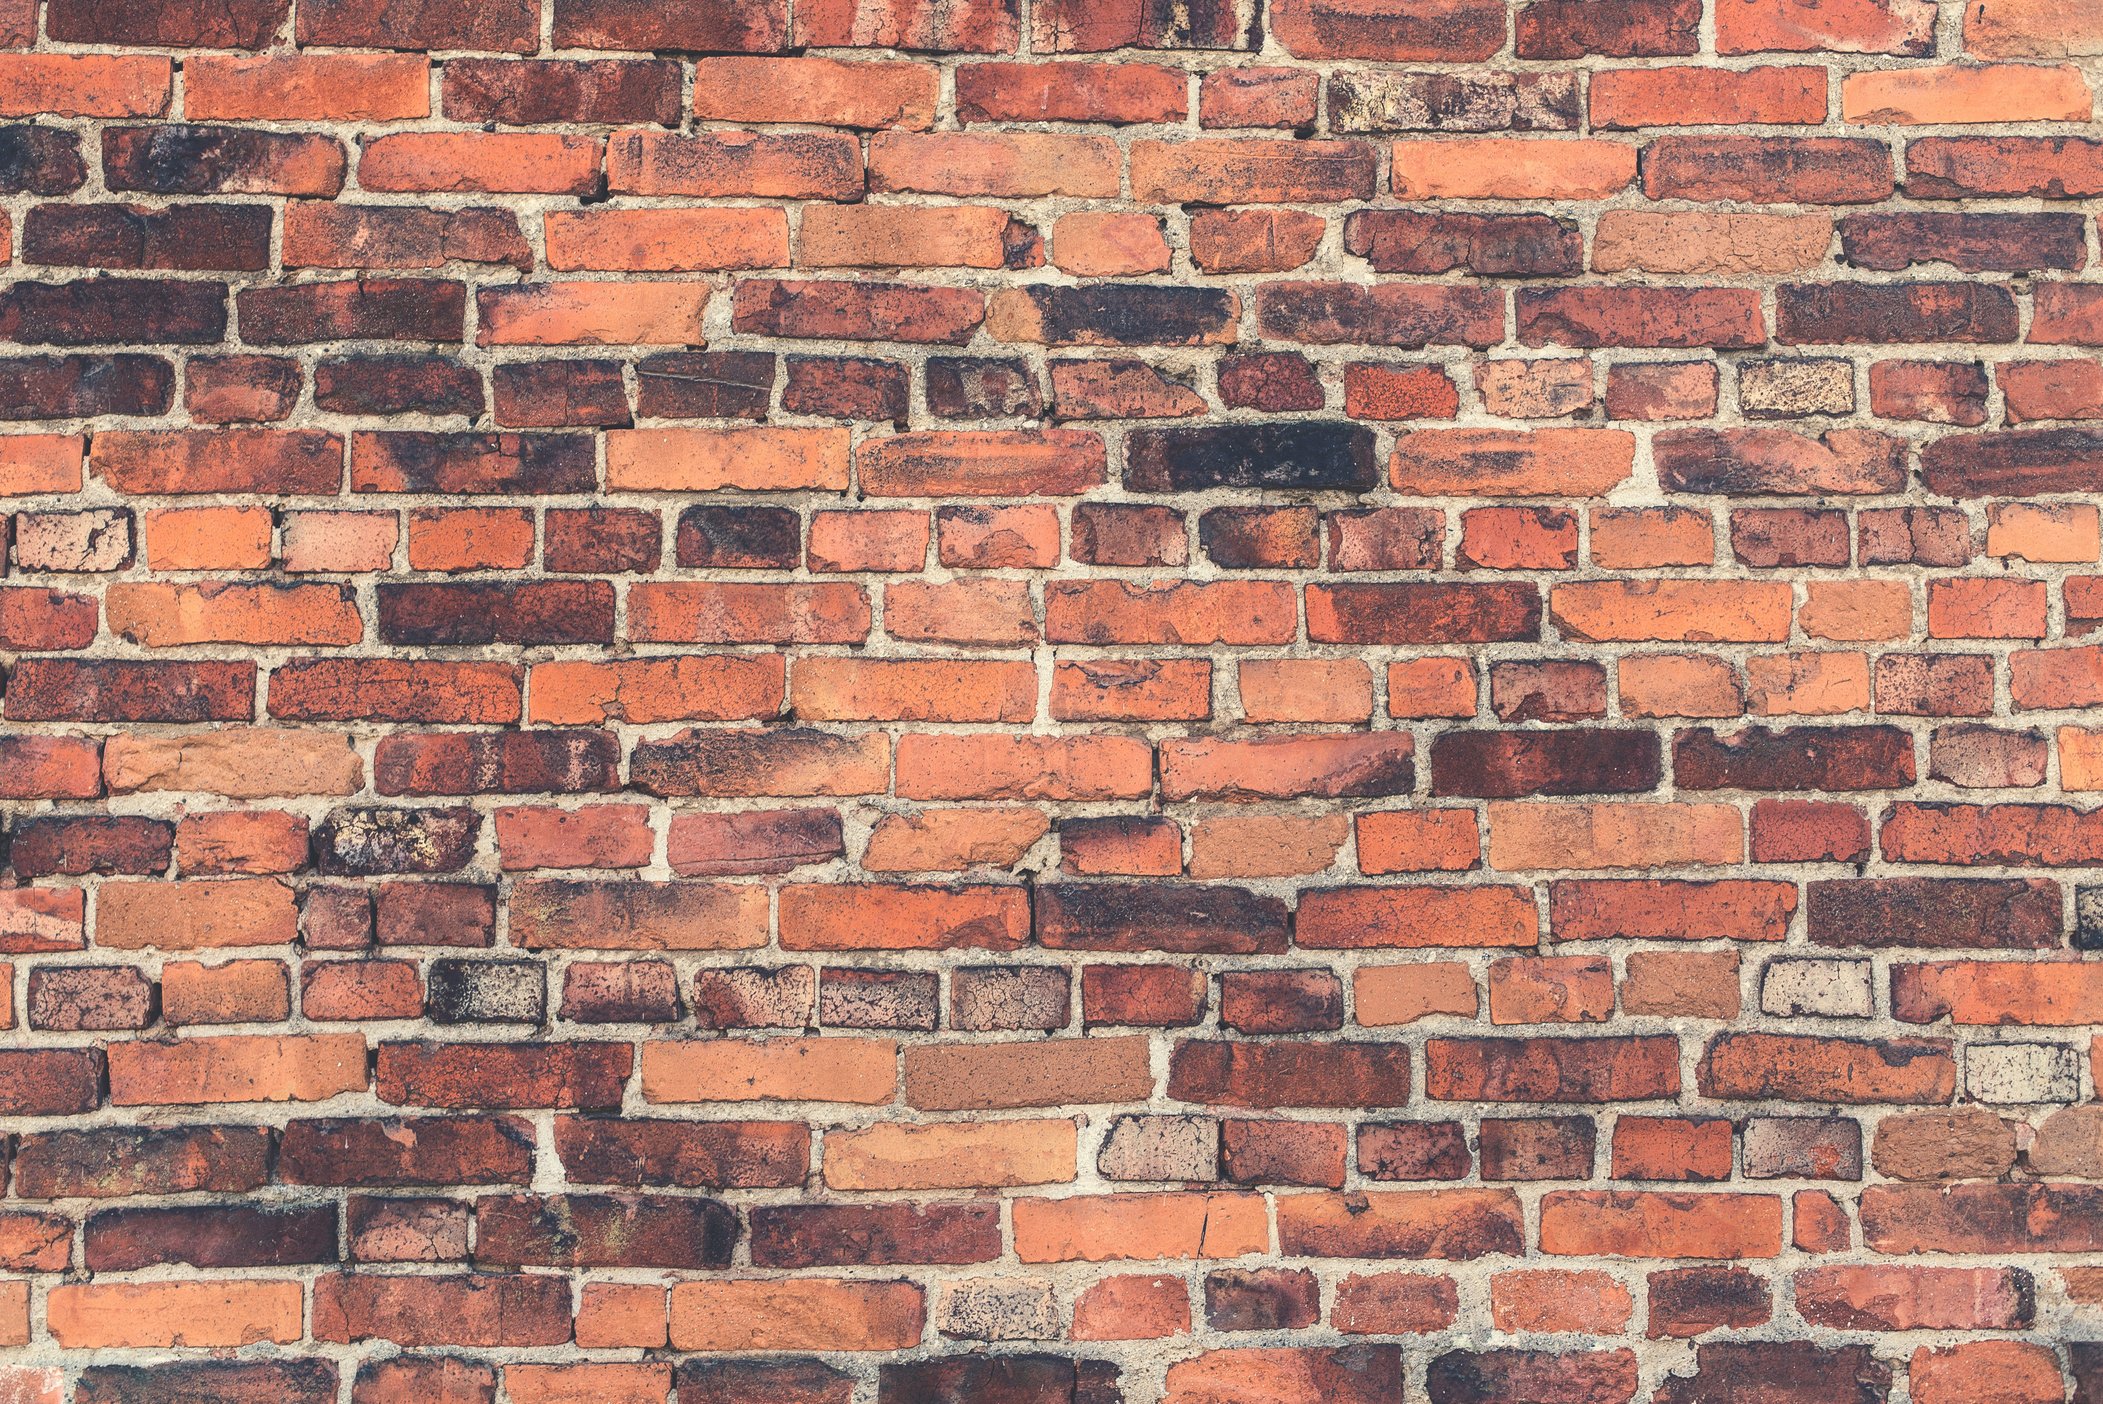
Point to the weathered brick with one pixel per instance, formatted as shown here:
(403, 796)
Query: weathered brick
(867, 637)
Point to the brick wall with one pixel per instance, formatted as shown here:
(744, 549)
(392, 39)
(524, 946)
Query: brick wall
(1050, 702)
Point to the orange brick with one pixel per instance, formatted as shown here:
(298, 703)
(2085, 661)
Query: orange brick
(1418, 840)
(796, 1314)
(1806, 684)
(1971, 93)
(950, 840)
(1132, 1307)
(238, 992)
(241, 841)
(161, 615)
(1511, 463)
(1431, 687)
(2008, 1372)
(1697, 241)
(1679, 685)
(648, 1382)
(902, 236)
(1553, 1300)
(1094, 244)
(1071, 92)
(868, 541)
(1551, 990)
(1251, 170)
(951, 1155)
(597, 836)
(790, 165)
(1659, 1224)
(703, 460)
(239, 763)
(861, 1070)
(195, 915)
(821, 91)
(307, 87)
(1688, 984)
(30, 1384)
(2080, 758)
(1512, 168)
(1004, 164)
(339, 543)
(1700, 96)
(1642, 538)
(728, 687)
(1527, 835)
(1141, 848)
(1138, 1227)
(2058, 532)
(85, 85)
(1974, 607)
(1857, 610)
(1672, 611)
(34, 464)
(611, 1315)
(984, 766)
(1402, 994)
(107, 1315)
(1305, 690)
(470, 538)
(237, 1068)
(872, 916)
(667, 241)
(208, 538)
(592, 314)
(1265, 845)
(502, 162)
(993, 538)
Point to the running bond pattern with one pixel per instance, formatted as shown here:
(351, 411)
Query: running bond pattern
(1050, 702)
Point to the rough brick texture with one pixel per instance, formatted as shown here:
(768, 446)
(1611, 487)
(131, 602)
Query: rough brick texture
(1050, 702)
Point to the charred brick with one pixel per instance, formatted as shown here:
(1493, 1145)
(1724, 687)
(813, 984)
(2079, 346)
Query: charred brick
(705, 384)
(40, 161)
(982, 387)
(738, 538)
(238, 24)
(223, 1382)
(178, 237)
(848, 387)
(183, 159)
(470, 612)
(603, 1230)
(142, 690)
(211, 1236)
(1520, 764)
(389, 385)
(81, 387)
(371, 841)
(1301, 455)
(1136, 917)
(1794, 758)
(109, 310)
(364, 309)
(460, 991)
(558, 394)
(1980, 914)
(1493, 246)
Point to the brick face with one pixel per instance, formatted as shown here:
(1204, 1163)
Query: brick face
(1050, 701)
